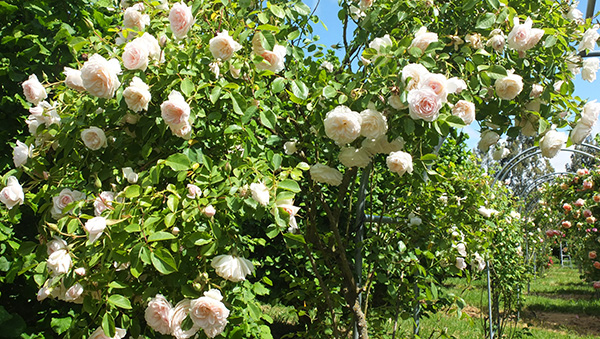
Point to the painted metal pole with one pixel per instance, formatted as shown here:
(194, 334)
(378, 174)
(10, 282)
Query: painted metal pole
(416, 311)
(489, 287)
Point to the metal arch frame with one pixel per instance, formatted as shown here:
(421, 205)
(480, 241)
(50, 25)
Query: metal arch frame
(540, 180)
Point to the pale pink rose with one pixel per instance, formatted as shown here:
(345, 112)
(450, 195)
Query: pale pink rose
(209, 313)
(135, 55)
(588, 184)
(497, 40)
(379, 43)
(400, 162)
(597, 265)
(509, 87)
(523, 37)
(73, 293)
(464, 110)
(579, 202)
(373, 124)
(64, 198)
(193, 191)
(133, 19)
(274, 61)
(59, 262)
(94, 138)
(94, 227)
(435, 82)
(223, 46)
(137, 96)
(592, 255)
(179, 313)
(552, 142)
(596, 285)
(80, 271)
(232, 268)
(99, 76)
(414, 72)
(590, 67)
(73, 79)
(181, 19)
(474, 40)
(158, 314)
(580, 133)
(342, 125)
(42, 114)
(152, 45)
(351, 157)
(12, 194)
(455, 85)
(182, 130)
(22, 152)
(424, 104)
(325, 174)
(33, 90)
(423, 39)
(175, 111)
(588, 42)
(488, 138)
(99, 334)
(382, 145)
(209, 211)
(56, 244)
(395, 101)
(103, 202)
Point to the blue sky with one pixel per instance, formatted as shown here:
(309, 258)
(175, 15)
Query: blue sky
(327, 12)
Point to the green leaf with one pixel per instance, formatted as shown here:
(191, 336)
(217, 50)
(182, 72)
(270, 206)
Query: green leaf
(170, 219)
(215, 94)
(289, 185)
(108, 325)
(496, 72)
(495, 5)
(133, 191)
(296, 237)
(277, 11)
(278, 85)
(486, 21)
(61, 325)
(160, 236)
(6, 8)
(429, 157)
(276, 161)
(119, 301)
(172, 202)
(329, 92)
(178, 162)
(268, 119)
(187, 87)
(299, 89)
(342, 99)
(550, 41)
(163, 261)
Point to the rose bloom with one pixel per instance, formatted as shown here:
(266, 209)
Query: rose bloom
(497, 40)
(193, 191)
(424, 104)
(102, 202)
(94, 227)
(209, 211)
(588, 184)
(382, 145)
(133, 19)
(423, 39)
(509, 87)
(460, 263)
(552, 142)
(379, 43)
(455, 85)
(79, 271)
(137, 95)
(158, 314)
(587, 213)
(597, 265)
(500, 153)
(395, 101)
(351, 157)
(588, 42)
(59, 262)
(523, 37)
(474, 40)
(73, 79)
(580, 133)
(488, 138)
(342, 125)
(325, 174)
(328, 66)
(596, 285)
(223, 46)
(462, 249)
(12, 194)
(592, 255)
(181, 19)
(135, 55)
(464, 110)
(56, 244)
(478, 262)
(589, 115)
(567, 207)
(232, 268)
(73, 293)
(290, 147)
(399, 162)
(152, 46)
(579, 202)
(566, 224)
(590, 67)
(274, 61)
(99, 334)
(487, 212)
(99, 76)
(130, 175)
(179, 313)
(373, 124)
(182, 130)
(536, 91)
(94, 138)
(22, 152)
(437, 83)
(596, 198)
(33, 90)
(209, 313)
(175, 110)
(564, 186)
(64, 198)
(414, 72)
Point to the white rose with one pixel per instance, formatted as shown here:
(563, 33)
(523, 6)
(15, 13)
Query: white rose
(487, 212)
(152, 46)
(395, 101)
(488, 138)
(552, 142)
(460, 263)
(94, 138)
(179, 313)
(181, 19)
(497, 42)
(158, 314)
(99, 334)
(56, 244)
(509, 87)
(464, 110)
(414, 72)
(373, 124)
(175, 111)
(94, 227)
(193, 191)
(274, 61)
(500, 153)
(382, 145)
(400, 162)
(130, 175)
(326, 65)
(223, 46)
(590, 67)
(474, 40)
(435, 82)
(523, 37)
(137, 95)
(33, 90)
(73, 293)
(103, 202)
(424, 104)
(232, 268)
(135, 55)
(379, 43)
(59, 262)
(455, 85)
(73, 79)
(64, 198)
(99, 76)
(575, 14)
(423, 39)
(12, 194)
(588, 42)
(290, 147)
(260, 193)
(461, 249)
(351, 157)
(580, 133)
(209, 211)
(365, 4)
(342, 125)
(478, 262)
(573, 61)
(79, 271)
(590, 112)
(536, 91)
(325, 174)
(133, 19)
(22, 152)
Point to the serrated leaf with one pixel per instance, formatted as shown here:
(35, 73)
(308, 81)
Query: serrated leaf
(160, 236)
(268, 119)
(289, 185)
(119, 301)
(277, 11)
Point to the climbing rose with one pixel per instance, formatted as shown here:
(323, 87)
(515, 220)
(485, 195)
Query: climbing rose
(158, 314)
(137, 96)
(423, 39)
(99, 76)
(209, 313)
(12, 194)
(260, 193)
(552, 142)
(94, 138)
(223, 46)
(232, 268)
(33, 90)
(588, 42)
(464, 110)
(509, 87)
(400, 162)
(342, 125)
(424, 104)
(181, 19)
(523, 37)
